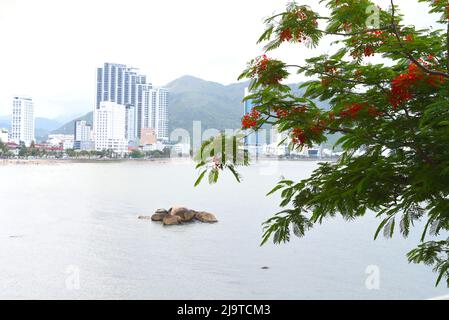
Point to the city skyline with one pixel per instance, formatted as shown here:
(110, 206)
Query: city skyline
(58, 45)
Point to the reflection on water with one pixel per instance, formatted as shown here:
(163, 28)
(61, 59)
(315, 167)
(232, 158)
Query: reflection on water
(71, 231)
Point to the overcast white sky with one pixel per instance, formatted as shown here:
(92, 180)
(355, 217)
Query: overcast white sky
(50, 48)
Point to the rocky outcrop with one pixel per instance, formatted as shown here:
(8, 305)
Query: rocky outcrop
(178, 214)
(185, 214)
(205, 217)
(170, 220)
(158, 217)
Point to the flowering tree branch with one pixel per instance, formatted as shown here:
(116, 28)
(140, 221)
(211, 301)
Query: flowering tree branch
(407, 53)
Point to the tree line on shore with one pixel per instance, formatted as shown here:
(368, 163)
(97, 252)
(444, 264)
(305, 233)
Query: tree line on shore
(33, 151)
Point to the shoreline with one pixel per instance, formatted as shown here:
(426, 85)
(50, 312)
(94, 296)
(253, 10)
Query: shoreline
(7, 162)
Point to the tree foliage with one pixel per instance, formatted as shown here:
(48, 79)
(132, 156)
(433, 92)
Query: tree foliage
(387, 85)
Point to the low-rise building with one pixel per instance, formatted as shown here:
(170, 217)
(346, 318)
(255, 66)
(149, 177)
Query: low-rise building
(182, 149)
(147, 136)
(64, 140)
(4, 135)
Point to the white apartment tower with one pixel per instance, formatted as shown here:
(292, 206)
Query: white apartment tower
(22, 126)
(110, 127)
(155, 114)
(83, 131)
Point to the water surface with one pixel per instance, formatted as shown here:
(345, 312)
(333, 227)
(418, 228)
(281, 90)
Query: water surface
(60, 223)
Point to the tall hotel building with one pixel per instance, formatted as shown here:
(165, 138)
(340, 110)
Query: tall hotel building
(144, 106)
(22, 126)
(110, 128)
(155, 112)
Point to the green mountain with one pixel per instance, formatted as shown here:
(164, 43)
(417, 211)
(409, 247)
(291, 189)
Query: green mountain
(215, 105)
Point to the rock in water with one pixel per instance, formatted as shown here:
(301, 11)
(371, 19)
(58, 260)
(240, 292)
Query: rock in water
(158, 216)
(205, 217)
(170, 220)
(185, 214)
(144, 218)
(162, 211)
(175, 209)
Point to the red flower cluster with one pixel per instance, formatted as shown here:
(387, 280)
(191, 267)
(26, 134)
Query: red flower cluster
(366, 44)
(351, 110)
(250, 120)
(402, 86)
(286, 35)
(268, 71)
(298, 136)
(330, 69)
(307, 20)
(284, 113)
(368, 51)
(281, 113)
(317, 129)
(409, 37)
(262, 64)
(302, 15)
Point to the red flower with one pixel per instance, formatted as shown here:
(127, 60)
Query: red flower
(403, 85)
(250, 120)
(286, 35)
(281, 113)
(351, 110)
(369, 51)
(316, 129)
(299, 136)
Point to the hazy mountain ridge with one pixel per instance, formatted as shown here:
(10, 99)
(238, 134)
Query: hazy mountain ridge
(43, 125)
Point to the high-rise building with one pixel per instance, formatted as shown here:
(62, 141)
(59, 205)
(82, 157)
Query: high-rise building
(22, 126)
(130, 124)
(145, 106)
(125, 86)
(83, 131)
(155, 114)
(110, 127)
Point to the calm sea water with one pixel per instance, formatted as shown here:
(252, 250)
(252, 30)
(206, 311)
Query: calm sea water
(70, 231)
